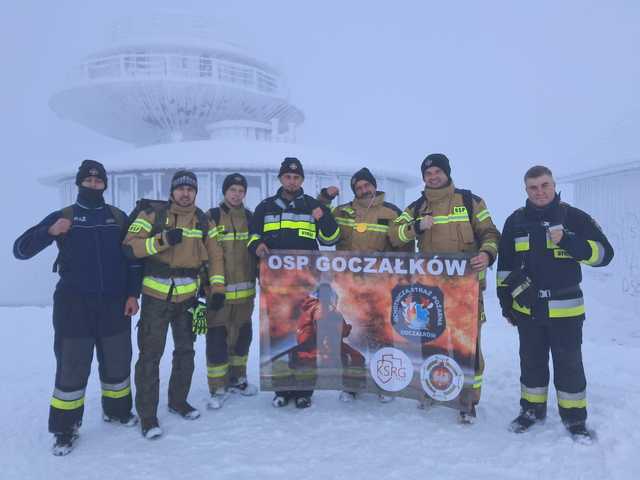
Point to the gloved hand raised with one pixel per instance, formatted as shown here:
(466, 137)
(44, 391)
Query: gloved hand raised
(174, 236)
(199, 314)
(216, 302)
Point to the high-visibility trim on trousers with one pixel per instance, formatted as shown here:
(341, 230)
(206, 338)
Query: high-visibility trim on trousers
(116, 390)
(67, 400)
(534, 394)
(572, 400)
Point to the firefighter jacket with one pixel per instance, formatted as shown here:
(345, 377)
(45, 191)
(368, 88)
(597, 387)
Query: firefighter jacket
(90, 260)
(454, 229)
(554, 270)
(289, 224)
(232, 234)
(172, 272)
(365, 225)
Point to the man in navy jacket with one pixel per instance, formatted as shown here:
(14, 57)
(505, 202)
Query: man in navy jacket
(92, 305)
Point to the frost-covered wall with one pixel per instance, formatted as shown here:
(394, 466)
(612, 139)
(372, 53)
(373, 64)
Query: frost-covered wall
(612, 201)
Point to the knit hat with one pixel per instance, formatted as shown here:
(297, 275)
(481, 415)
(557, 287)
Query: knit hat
(363, 174)
(184, 177)
(436, 160)
(234, 179)
(291, 165)
(91, 168)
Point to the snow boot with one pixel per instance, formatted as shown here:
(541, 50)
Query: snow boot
(64, 443)
(150, 428)
(347, 397)
(467, 417)
(303, 402)
(579, 433)
(185, 410)
(280, 401)
(129, 420)
(217, 399)
(243, 387)
(527, 419)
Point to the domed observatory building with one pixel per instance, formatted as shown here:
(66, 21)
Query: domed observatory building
(185, 99)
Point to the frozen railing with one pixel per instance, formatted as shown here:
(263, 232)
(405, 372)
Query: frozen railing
(203, 68)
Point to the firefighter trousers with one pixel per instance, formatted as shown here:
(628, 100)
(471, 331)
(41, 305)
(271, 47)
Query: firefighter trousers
(155, 318)
(563, 338)
(228, 340)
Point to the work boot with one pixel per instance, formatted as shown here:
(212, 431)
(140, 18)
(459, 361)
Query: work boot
(467, 417)
(527, 419)
(217, 399)
(64, 443)
(303, 402)
(385, 398)
(280, 401)
(129, 420)
(347, 397)
(579, 433)
(243, 387)
(185, 410)
(150, 428)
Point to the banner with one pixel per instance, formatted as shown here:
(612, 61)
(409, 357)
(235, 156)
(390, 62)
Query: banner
(391, 323)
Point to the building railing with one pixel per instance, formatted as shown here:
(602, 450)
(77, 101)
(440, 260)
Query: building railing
(201, 68)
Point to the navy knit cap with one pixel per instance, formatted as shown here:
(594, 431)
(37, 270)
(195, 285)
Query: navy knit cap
(184, 177)
(91, 168)
(439, 160)
(363, 174)
(291, 165)
(234, 179)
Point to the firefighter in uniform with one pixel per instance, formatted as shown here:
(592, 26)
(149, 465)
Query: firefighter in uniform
(538, 285)
(365, 227)
(92, 305)
(446, 219)
(174, 254)
(291, 220)
(229, 331)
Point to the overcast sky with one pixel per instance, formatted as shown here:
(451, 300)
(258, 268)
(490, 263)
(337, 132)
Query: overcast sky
(496, 85)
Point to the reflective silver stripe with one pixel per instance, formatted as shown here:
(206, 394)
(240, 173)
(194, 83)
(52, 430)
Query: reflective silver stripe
(239, 286)
(534, 390)
(114, 387)
(571, 396)
(298, 217)
(571, 303)
(271, 218)
(68, 396)
(176, 281)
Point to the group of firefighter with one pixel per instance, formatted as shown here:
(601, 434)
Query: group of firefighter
(173, 253)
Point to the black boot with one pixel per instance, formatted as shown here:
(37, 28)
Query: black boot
(527, 418)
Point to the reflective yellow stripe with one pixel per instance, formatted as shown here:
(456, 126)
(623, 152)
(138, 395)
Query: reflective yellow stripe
(217, 371)
(521, 244)
(192, 233)
(238, 294)
(213, 233)
(482, 275)
(216, 279)
(269, 227)
(401, 233)
(233, 236)
(66, 404)
(566, 312)
(330, 238)
(597, 253)
(534, 398)
(489, 245)
(150, 246)
(451, 218)
(404, 217)
(117, 393)
(345, 221)
(164, 288)
(237, 361)
(572, 403)
(483, 215)
(519, 308)
(144, 224)
(477, 381)
(138, 225)
(255, 237)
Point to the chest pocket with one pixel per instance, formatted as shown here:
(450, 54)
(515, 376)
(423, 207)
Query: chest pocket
(465, 231)
(521, 243)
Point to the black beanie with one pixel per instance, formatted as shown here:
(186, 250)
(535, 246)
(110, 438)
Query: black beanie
(291, 165)
(91, 168)
(234, 179)
(184, 177)
(363, 174)
(439, 160)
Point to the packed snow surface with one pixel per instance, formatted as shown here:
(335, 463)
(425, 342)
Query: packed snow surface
(248, 438)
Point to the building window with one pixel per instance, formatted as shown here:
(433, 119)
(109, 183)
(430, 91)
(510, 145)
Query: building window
(125, 192)
(204, 199)
(146, 186)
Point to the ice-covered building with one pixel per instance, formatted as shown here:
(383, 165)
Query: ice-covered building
(609, 194)
(185, 99)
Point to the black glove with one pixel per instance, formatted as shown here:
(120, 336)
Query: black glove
(216, 301)
(174, 236)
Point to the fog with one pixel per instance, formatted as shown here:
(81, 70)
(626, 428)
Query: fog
(497, 85)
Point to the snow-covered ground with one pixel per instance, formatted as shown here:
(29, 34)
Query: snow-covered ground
(249, 439)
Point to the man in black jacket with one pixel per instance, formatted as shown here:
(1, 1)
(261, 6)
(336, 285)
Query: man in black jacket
(291, 220)
(538, 283)
(92, 304)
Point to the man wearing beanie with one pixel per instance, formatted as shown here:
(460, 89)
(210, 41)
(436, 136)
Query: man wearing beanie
(176, 241)
(447, 219)
(229, 331)
(365, 227)
(291, 220)
(92, 305)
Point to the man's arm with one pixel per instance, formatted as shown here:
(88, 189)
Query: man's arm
(588, 245)
(37, 238)
(256, 226)
(485, 230)
(215, 264)
(328, 229)
(506, 264)
(403, 229)
(139, 243)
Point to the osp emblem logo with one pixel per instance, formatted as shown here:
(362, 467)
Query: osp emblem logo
(441, 377)
(417, 312)
(391, 369)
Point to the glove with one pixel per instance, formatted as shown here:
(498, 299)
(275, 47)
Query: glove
(174, 236)
(216, 301)
(199, 314)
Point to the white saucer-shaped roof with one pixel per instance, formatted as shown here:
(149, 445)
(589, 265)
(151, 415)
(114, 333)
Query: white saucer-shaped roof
(243, 156)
